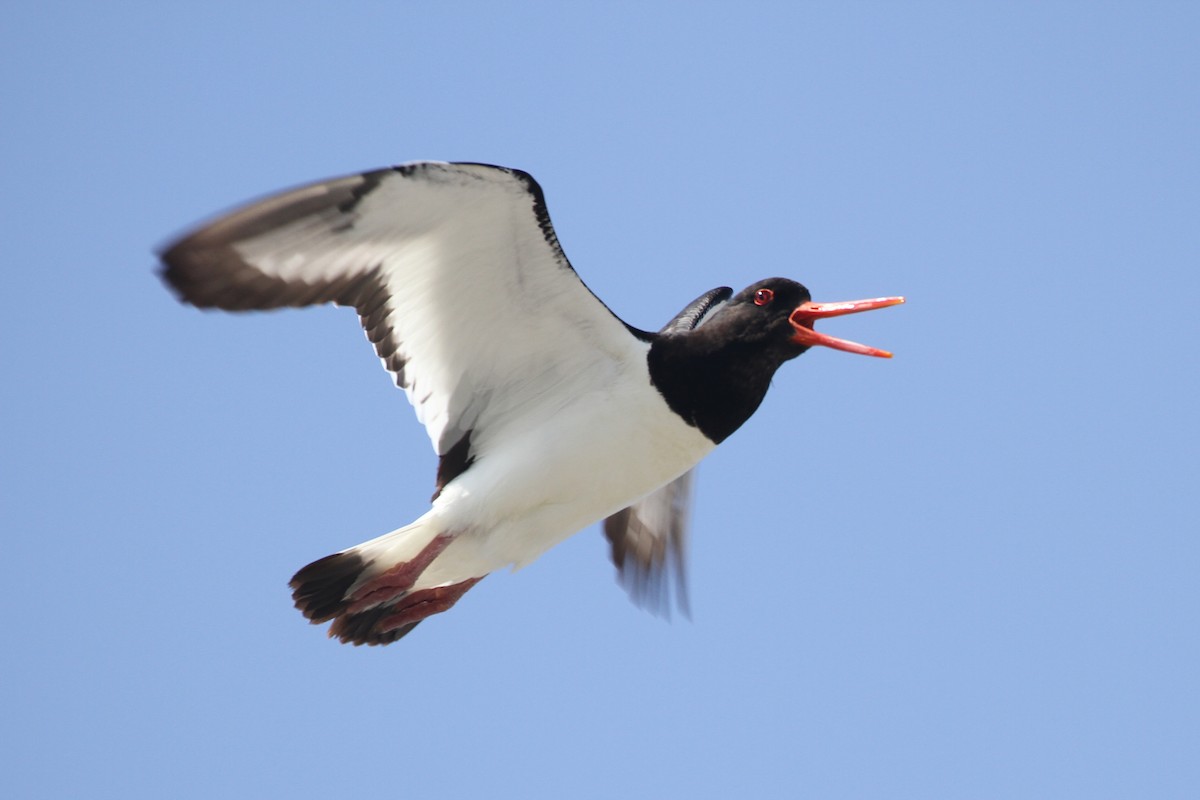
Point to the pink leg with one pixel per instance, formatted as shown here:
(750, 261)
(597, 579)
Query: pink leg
(399, 579)
(425, 603)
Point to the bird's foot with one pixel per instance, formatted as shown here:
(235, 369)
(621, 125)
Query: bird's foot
(394, 582)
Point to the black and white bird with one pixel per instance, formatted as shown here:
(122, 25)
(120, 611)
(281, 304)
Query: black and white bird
(547, 412)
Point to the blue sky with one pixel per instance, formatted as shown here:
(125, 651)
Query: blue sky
(966, 572)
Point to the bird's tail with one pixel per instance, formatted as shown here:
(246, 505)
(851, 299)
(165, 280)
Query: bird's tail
(378, 591)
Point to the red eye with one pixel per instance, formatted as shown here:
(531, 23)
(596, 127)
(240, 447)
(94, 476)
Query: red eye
(763, 296)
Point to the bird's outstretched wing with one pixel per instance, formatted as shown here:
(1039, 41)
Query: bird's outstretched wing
(457, 277)
(648, 539)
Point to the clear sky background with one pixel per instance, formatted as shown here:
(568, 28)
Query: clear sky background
(967, 572)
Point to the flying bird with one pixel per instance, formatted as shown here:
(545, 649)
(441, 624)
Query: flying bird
(547, 412)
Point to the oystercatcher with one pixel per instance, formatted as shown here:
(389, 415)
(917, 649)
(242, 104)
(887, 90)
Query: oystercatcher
(547, 412)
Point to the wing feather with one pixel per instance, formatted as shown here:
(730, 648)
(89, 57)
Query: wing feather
(455, 272)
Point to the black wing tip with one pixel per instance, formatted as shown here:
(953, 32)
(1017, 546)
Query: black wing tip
(211, 279)
(183, 271)
(201, 266)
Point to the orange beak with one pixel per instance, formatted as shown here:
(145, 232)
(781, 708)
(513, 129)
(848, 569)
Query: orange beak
(806, 314)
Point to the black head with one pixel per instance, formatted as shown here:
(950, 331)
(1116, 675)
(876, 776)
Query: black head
(780, 314)
(757, 318)
(716, 375)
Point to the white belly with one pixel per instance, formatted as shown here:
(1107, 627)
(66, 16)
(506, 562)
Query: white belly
(531, 489)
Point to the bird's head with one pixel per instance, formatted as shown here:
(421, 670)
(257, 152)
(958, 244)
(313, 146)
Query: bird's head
(781, 313)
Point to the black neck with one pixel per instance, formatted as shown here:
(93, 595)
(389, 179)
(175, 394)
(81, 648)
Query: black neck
(713, 383)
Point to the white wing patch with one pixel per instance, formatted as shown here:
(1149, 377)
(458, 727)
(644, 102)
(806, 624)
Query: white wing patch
(455, 271)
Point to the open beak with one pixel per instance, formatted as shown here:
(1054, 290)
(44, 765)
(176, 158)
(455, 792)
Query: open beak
(806, 314)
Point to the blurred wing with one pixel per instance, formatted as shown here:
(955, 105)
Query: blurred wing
(457, 277)
(649, 538)
(649, 542)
